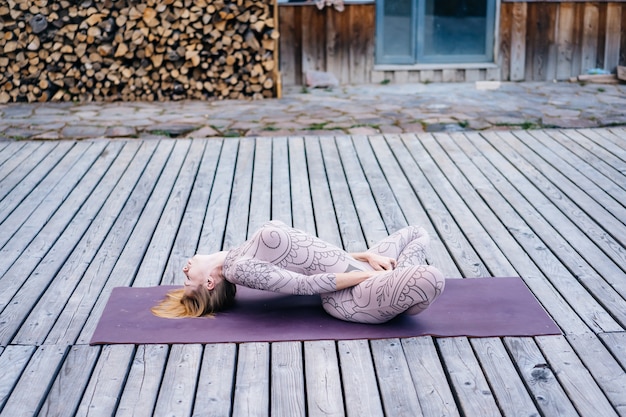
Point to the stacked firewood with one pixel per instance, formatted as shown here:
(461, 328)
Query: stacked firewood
(137, 50)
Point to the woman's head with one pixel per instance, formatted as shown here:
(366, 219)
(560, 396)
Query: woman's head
(205, 292)
(196, 303)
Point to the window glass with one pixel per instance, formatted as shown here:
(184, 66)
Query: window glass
(455, 27)
(398, 27)
(434, 31)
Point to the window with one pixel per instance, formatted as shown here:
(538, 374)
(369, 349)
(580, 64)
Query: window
(434, 31)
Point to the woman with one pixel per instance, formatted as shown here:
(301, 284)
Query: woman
(374, 286)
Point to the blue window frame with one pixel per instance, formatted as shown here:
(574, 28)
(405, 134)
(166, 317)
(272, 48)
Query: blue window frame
(434, 31)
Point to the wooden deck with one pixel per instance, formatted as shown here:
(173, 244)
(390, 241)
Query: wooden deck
(79, 218)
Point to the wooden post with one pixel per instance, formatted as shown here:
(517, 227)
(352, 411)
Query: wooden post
(612, 39)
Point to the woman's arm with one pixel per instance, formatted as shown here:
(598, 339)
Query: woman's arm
(262, 275)
(376, 261)
(345, 280)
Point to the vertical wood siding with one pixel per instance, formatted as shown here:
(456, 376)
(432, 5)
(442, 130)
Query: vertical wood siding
(327, 40)
(537, 41)
(542, 41)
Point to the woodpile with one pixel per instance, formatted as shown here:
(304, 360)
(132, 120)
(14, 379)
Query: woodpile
(137, 50)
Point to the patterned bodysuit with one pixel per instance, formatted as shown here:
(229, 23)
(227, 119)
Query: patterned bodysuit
(282, 259)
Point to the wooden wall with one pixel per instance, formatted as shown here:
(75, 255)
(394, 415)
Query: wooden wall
(326, 40)
(545, 41)
(537, 41)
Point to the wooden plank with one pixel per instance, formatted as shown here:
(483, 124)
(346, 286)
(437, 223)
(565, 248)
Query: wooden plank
(2, 147)
(11, 154)
(390, 168)
(595, 245)
(67, 389)
(590, 310)
(38, 183)
(57, 208)
(34, 383)
(468, 209)
(139, 213)
(25, 292)
(301, 203)
(594, 188)
(337, 44)
(144, 379)
(358, 379)
(158, 251)
(442, 195)
(502, 198)
(290, 44)
(320, 193)
(613, 33)
(474, 395)
(614, 137)
(579, 15)
(575, 378)
(25, 158)
(261, 193)
(313, 39)
(572, 183)
(589, 45)
(386, 202)
(362, 194)
(429, 378)
(539, 376)
(347, 219)
(238, 209)
(565, 41)
(604, 368)
(394, 379)
(287, 392)
(504, 43)
(107, 201)
(604, 159)
(107, 381)
(179, 385)
(570, 217)
(609, 146)
(118, 221)
(591, 264)
(616, 343)
(508, 388)
(252, 384)
(540, 46)
(212, 234)
(281, 192)
(622, 48)
(323, 381)
(361, 42)
(216, 381)
(591, 165)
(13, 360)
(419, 202)
(188, 233)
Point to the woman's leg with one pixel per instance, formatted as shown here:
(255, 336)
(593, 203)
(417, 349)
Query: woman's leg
(408, 290)
(296, 251)
(407, 246)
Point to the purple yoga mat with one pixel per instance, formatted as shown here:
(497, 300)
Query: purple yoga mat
(478, 307)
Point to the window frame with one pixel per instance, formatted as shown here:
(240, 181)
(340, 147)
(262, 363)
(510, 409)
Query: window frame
(417, 57)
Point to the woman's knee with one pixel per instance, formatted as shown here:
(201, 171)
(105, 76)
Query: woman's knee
(429, 281)
(270, 233)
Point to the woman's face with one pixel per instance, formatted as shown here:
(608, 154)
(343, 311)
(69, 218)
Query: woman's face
(198, 273)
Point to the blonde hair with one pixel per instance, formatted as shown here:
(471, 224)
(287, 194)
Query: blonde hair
(201, 302)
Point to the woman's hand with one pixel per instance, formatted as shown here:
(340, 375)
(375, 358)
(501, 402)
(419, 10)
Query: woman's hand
(376, 261)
